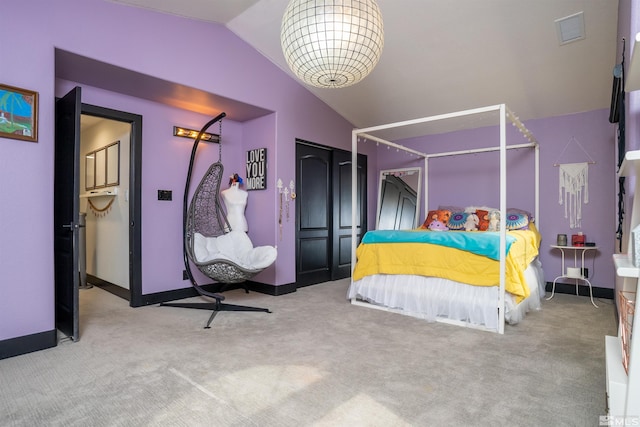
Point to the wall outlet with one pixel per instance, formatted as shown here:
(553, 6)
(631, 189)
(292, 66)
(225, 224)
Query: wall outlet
(185, 276)
(585, 273)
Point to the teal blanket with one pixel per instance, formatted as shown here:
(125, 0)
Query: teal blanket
(485, 243)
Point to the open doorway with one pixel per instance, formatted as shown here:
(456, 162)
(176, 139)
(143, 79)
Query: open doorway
(67, 186)
(104, 204)
(113, 259)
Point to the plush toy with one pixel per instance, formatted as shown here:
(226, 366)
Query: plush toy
(472, 222)
(438, 226)
(494, 221)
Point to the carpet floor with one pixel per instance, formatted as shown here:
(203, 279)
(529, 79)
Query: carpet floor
(315, 361)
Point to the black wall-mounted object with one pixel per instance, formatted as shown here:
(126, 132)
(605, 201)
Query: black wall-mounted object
(164, 195)
(614, 111)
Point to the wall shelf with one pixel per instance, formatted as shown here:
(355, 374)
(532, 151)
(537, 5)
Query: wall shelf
(624, 266)
(633, 77)
(623, 390)
(112, 191)
(630, 164)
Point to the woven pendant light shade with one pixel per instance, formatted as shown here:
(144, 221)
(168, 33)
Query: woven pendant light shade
(332, 43)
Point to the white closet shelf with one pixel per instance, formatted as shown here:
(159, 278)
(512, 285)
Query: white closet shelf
(624, 266)
(633, 77)
(617, 378)
(630, 164)
(113, 191)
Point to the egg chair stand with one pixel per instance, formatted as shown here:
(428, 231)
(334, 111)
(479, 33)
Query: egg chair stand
(205, 216)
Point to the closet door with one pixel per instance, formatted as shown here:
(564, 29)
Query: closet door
(323, 209)
(341, 253)
(313, 214)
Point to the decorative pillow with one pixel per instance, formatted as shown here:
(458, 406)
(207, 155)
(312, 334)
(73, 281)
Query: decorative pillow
(517, 221)
(472, 209)
(457, 220)
(441, 215)
(451, 209)
(483, 219)
(520, 211)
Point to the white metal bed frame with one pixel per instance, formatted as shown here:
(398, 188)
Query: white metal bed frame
(504, 114)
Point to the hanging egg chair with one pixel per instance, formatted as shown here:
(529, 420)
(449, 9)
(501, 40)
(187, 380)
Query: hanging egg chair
(209, 243)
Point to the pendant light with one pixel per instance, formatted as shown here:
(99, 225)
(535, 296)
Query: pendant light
(332, 43)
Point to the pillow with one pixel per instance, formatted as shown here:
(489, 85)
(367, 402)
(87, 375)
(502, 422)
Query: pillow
(520, 211)
(483, 219)
(451, 209)
(472, 209)
(457, 220)
(204, 248)
(517, 221)
(441, 215)
(200, 247)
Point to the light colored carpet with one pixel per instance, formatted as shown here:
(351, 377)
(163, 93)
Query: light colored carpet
(316, 360)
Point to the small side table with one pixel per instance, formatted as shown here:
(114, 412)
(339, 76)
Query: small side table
(576, 272)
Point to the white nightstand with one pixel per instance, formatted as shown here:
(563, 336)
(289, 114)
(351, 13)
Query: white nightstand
(574, 272)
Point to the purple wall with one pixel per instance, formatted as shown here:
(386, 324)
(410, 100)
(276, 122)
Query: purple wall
(141, 43)
(474, 179)
(139, 40)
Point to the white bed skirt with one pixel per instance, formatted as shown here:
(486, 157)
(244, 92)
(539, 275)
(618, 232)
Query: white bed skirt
(433, 299)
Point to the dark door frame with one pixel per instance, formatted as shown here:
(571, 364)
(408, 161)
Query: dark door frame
(135, 195)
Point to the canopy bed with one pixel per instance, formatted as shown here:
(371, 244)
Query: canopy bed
(468, 278)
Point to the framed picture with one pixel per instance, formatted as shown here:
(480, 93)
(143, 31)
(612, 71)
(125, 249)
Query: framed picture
(18, 113)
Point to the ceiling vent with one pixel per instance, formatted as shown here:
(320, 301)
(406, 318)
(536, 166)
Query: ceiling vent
(570, 28)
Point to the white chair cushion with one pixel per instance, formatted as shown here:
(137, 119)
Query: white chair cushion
(234, 246)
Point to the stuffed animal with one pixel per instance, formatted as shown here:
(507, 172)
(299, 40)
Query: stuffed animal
(494, 221)
(438, 226)
(472, 222)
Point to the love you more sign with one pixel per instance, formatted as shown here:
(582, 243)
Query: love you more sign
(256, 169)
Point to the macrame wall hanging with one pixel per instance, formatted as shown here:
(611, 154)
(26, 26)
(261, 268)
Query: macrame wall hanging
(573, 185)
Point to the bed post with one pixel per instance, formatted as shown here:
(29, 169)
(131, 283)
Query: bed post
(426, 187)
(537, 186)
(503, 216)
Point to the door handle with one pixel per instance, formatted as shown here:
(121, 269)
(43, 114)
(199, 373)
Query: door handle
(72, 226)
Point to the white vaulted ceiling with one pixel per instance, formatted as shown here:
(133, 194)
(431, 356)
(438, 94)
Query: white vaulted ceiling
(443, 56)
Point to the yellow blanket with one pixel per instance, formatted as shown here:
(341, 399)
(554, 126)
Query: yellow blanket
(426, 259)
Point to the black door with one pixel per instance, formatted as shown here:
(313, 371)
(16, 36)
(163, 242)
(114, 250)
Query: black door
(341, 165)
(323, 209)
(66, 190)
(314, 210)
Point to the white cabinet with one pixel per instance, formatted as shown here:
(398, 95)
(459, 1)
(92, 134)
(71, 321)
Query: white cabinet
(623, 390)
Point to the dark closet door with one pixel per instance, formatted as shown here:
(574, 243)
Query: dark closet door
(341, 259)
(313, 210)
(323, 207)
(66, 190)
